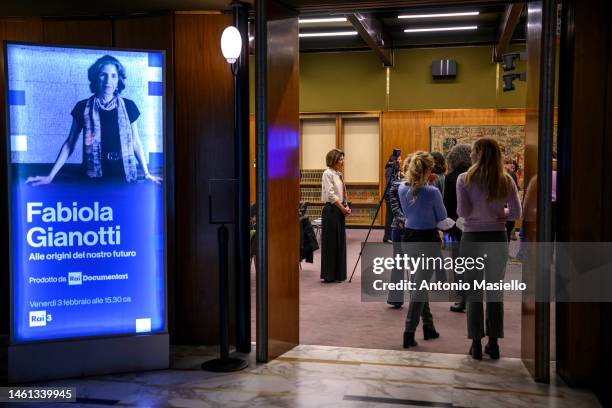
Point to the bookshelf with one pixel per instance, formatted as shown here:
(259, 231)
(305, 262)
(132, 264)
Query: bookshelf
(358, 135)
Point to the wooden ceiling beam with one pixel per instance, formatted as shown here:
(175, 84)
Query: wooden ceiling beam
(509, 21)
(372, 32)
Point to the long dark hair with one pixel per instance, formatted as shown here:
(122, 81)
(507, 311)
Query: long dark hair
(488, 172)
(439, 163)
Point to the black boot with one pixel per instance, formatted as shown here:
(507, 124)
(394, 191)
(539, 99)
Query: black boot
(396, 305)
(492, 348)
(429, 332)
(458, 307)
(409, 340)
(476, 349)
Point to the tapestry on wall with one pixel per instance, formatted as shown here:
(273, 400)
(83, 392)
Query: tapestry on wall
(511, 138)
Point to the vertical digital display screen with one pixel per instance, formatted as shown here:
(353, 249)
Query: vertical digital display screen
(86, 181)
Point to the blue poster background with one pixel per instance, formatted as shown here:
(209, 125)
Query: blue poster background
(138, 210)
(112, 287)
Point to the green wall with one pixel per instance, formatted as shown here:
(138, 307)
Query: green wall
(349, 81)
(475, 86)
(356, 81)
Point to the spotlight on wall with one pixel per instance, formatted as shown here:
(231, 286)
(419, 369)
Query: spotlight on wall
(508, 60)
(509, 80)
(231, 44)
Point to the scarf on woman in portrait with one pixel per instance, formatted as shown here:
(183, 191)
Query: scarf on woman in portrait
(92, 135)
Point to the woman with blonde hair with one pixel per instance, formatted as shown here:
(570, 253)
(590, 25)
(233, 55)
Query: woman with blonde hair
(483, 192)
(423, 209)
(333, 234)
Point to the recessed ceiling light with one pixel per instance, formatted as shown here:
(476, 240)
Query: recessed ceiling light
(467, 13)
(422, 30)
(322, 20)
(330, 34)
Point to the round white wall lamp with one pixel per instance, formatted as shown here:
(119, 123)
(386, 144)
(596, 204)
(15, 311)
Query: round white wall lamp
(231, 44)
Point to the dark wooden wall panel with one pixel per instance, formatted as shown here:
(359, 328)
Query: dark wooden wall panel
(204, 149)
(252, 151)
(92, 32)
(156, 33)
(27, 30)
(585, 130)
(283, 180)
(534, 37)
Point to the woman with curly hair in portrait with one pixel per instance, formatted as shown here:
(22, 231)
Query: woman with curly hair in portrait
(111, 142)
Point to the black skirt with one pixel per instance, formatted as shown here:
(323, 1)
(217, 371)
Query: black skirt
(333, 244)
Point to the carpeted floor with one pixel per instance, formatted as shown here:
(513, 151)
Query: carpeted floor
(332, 314)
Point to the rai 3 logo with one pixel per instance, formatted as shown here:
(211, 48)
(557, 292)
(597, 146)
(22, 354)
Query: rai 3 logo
(39, 318)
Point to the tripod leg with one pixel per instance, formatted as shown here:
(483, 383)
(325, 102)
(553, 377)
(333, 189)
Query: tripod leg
(370, 229)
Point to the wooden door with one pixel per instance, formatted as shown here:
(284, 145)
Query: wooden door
(537, 206)
(277, 128)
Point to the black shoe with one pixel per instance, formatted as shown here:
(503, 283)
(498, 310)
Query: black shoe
(328, 281)
(492, 349)
(476, 350)
(429, 332)
(409, 340)
(396, 305)
(387, 241)
(458, 307)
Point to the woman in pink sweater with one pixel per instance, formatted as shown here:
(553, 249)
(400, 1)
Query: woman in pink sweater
(483, 192)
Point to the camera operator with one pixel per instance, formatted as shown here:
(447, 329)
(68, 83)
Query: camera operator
(395, 298)
(392, 174)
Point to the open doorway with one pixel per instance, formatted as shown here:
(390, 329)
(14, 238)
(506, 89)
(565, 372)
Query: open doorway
(352, 99)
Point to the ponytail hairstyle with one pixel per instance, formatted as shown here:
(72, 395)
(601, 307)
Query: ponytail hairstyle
(488, 172)
(419, 164)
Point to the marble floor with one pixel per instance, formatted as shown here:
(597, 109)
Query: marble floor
(322, 376)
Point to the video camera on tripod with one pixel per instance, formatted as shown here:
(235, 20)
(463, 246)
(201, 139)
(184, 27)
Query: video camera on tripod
(392, 173)
(392, 168)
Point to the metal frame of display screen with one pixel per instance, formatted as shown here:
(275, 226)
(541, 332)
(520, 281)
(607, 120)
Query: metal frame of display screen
(87, 220)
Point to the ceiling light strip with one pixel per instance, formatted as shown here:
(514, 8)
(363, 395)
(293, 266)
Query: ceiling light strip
(322, 20)
(468, 13)
(330, 34)
(423, 30)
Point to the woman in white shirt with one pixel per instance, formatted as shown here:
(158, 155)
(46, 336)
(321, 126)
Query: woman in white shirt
(333, 234)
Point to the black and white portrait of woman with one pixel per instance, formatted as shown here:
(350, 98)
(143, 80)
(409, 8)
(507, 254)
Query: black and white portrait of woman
(112, 148)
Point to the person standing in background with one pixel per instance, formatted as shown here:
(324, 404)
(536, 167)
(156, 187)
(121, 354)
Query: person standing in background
(392, 174)
(395, 297)
(423, 209)
(482, 195)
(458, 162)
(439, 171)
(510, 168)
(333, 234)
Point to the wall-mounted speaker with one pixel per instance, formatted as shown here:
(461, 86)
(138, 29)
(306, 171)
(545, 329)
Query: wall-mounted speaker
(444, 69)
